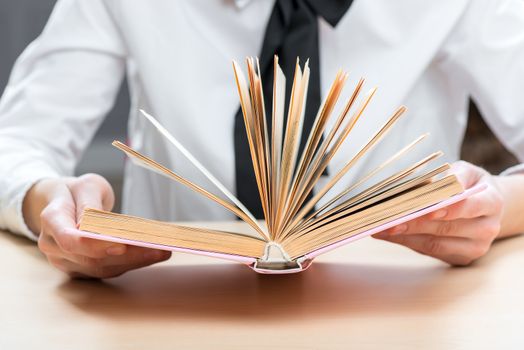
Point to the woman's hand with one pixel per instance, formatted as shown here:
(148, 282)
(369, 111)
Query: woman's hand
(464, 231)
(52, 206)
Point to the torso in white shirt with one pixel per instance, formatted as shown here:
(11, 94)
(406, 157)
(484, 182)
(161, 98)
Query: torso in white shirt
(429, 55)
(183, 75)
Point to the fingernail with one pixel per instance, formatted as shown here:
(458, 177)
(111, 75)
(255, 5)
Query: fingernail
(116, 250)
(381, 235)
(439, 214)
(154, 255)
(398, 229)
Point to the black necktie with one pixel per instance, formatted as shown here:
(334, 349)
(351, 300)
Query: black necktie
(292, 31)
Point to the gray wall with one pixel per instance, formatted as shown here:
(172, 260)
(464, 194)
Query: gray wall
(21, 21)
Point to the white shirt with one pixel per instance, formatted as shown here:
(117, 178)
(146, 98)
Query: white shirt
(429, 55)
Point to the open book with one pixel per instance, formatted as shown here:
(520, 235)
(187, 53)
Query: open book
(296, 227)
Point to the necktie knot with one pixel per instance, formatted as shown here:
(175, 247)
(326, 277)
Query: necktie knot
(331, 11)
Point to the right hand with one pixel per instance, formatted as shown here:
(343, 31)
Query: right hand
(52, 206)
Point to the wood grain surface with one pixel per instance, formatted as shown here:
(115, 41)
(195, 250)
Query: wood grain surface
(367, 295)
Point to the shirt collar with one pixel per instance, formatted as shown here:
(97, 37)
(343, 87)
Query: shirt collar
(240, 4)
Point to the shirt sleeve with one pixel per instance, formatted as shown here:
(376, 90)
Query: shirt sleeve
(59, 91)
(486, 53)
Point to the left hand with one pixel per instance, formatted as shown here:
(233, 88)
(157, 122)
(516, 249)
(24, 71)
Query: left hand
(461, 232)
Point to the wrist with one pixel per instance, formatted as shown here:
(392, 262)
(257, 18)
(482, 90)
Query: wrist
(511, 188)
(35, 200)
(31, 208)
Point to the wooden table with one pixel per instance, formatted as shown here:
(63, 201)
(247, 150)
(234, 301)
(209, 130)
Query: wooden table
(367, 295)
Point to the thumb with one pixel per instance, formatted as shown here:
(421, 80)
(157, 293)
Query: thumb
(91, 191)
(467, 173)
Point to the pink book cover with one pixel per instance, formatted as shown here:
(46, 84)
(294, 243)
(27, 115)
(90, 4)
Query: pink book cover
(300, 264)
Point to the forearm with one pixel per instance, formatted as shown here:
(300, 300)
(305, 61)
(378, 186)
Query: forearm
(512, 190)
(22, 167)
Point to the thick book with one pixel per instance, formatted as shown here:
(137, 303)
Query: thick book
(301, 218)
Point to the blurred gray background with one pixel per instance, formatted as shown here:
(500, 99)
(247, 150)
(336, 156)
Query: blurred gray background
(22, 20)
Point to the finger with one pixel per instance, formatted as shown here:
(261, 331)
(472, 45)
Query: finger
(453, 250)
(60, 212)
(56, 217)
(47, 245)
(56, 222)
(108, 271)
(137, 256)
(133, 255)
(484, 228)
(485, 203)
(95, 192)
(467, 174)
(91, 191)
(89, 247)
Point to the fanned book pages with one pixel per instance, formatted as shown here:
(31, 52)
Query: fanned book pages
(297, 228)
